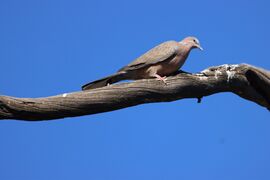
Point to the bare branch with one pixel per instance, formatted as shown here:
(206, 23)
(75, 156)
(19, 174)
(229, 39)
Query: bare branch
(247, 81)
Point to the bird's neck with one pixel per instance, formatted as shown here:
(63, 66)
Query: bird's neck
(185, 48)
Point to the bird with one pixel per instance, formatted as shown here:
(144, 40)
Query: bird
(159, 62)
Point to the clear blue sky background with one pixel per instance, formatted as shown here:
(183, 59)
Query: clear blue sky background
(54, 46)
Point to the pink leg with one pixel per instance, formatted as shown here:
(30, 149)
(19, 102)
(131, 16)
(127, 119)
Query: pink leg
(163, 79)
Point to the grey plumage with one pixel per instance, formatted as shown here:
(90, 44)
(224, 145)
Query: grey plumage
(159, 53)
(162, 60)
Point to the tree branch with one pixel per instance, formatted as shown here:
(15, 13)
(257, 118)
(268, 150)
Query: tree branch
(247, 81)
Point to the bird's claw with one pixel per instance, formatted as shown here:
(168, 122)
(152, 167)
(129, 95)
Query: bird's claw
(163, 79)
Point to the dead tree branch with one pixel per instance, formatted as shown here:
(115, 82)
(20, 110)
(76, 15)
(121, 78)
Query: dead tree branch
(247, 81)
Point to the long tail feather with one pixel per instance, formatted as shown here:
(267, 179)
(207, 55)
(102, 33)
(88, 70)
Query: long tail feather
(105, 81)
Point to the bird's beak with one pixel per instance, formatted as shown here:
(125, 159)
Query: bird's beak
(198, 46)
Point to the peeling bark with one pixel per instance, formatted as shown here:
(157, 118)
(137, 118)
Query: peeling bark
(247, 81)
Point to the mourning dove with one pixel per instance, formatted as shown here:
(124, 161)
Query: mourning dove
(159, 62)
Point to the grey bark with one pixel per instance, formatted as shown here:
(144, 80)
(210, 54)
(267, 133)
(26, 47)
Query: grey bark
(249, 82)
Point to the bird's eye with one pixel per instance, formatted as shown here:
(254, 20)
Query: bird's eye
(194, 41)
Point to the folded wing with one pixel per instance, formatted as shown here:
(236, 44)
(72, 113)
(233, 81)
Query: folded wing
(162, 52)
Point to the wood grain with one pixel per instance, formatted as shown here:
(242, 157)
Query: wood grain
(249, 82)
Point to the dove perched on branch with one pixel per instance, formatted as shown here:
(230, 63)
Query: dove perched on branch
(159, 62)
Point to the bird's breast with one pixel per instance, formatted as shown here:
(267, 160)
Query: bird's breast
(172, 66)
(166, 68)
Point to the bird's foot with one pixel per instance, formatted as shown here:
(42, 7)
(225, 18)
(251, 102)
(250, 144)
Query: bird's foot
(163, 79)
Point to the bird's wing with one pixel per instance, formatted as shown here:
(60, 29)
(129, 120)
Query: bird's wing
(162, 52)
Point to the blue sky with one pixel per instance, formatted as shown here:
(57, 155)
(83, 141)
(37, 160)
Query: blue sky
(54, 46)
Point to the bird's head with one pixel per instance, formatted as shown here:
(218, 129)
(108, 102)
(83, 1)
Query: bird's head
(192, 42)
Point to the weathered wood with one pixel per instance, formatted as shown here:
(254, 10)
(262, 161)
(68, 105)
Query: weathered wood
(247, 81)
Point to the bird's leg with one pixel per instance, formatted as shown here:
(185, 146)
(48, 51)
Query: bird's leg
(163, 79)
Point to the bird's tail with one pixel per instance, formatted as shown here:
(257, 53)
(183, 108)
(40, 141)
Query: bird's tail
(105, 81)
